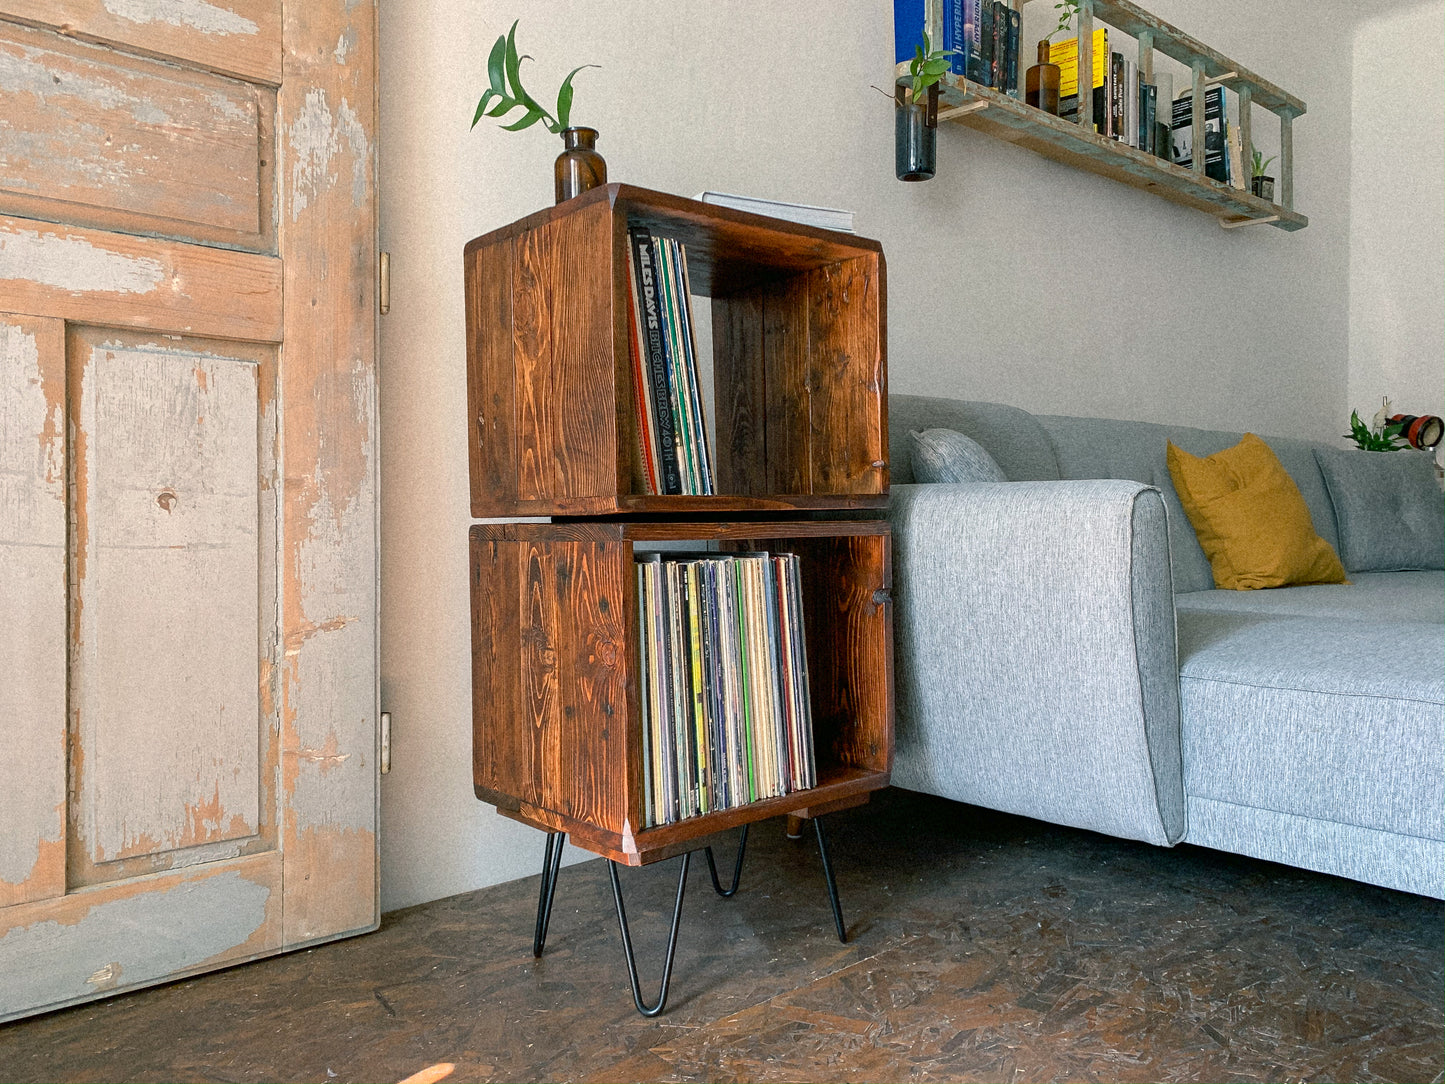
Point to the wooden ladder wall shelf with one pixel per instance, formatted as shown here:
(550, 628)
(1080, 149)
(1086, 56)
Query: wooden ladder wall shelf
(1012, 120)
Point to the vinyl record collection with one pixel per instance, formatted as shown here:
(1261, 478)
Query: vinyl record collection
(725, 707)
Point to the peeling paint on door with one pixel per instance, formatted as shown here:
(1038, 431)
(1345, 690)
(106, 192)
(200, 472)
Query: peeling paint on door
(32, 611)
(73, 264)
(197, 14)
(93, 946)
(316, 137)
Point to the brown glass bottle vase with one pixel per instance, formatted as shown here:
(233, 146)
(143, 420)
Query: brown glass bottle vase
(1041, 82)
(579, 166)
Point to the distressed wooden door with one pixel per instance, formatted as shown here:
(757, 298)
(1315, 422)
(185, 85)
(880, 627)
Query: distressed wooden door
(188, 556)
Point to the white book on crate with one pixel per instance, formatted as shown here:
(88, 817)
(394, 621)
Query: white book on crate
(827, 218)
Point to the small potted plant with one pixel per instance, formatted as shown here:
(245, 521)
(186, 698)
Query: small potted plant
(1383, 436)
(1260, 183)
(579, 166)
(915, 114)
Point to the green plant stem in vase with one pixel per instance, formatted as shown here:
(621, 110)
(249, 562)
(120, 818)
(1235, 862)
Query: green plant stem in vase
(579, 166)
(915, 114)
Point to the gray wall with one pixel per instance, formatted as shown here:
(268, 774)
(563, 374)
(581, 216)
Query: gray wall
(1010, 278)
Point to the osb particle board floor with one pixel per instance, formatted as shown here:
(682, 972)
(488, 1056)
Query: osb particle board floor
(982, 947)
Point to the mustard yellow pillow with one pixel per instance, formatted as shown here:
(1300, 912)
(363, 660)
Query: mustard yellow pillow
(1252, 523)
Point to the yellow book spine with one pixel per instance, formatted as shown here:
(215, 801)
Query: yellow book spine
(1066, 55)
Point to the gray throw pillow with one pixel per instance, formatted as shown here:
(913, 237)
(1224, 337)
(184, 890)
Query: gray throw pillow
(942, 455)
(1389, 509)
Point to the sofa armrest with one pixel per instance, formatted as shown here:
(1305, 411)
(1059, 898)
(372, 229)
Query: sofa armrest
(1037, 669)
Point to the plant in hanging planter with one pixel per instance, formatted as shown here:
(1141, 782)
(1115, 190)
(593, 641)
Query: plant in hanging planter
(915, 113)
(1261, 184)
(579, 166)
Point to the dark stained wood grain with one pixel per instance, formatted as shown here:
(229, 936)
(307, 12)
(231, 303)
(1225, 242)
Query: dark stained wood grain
(557, 722)
(847, 379)
(573, 447)
(787, 308)
(501, 759)
(740, 393)
(847, 582)
(491, 381)
(565, 371)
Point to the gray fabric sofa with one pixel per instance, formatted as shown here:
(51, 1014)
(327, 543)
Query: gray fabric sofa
(1062, 654)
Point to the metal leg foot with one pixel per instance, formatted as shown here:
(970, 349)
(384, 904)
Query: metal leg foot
(649, 1010)
(832, 884)
(737, 868)
(551, 861)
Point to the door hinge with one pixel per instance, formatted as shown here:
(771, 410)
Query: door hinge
(385, 742)
(383, 289)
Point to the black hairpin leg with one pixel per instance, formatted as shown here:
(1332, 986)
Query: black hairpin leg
(649, 1010)
(737, 868)
(551, 860)
(832, 884)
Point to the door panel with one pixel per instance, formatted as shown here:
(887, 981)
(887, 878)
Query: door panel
(238, 37)
(188, 524)
(94, 277)
(132, 143)
(168, 607)
(32, 626)
(329, 559)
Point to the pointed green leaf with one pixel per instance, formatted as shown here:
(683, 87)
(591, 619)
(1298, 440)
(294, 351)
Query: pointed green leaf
(529, 118)
(564, 97)
(504, 104)
(481, 109)
(496, 73)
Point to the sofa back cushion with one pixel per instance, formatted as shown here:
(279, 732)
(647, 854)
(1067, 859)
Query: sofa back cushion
(1013, 437)
(1390, 510)
(1251, 519)
(946, 455)
(1044, 447)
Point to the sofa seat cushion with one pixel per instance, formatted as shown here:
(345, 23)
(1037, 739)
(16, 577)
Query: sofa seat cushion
(1402, 598)
(1315, 717)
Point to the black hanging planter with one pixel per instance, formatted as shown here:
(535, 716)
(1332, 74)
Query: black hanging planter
(915, 134)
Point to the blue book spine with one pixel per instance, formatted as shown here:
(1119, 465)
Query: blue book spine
(908, 27)
(956, 17)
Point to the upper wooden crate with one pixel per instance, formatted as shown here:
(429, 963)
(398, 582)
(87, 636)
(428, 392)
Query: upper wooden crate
(799, 361)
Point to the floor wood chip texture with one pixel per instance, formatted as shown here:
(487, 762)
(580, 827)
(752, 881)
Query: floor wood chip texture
(982, 948)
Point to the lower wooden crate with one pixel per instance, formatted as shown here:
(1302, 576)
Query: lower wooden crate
(556, 718)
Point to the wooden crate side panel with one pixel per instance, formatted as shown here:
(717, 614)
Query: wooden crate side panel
(597, 661)
(491, 380)
(100, 138)
(846, 379)
(787, 379)
(849, 626)
(32, 594)
(501, 733)
(328, 589)
(739, 394)
(237, 37)
(565, 373)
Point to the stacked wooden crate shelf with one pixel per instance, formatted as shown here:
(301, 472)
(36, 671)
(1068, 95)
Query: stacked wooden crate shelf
(800, 393)
(1012, 120)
